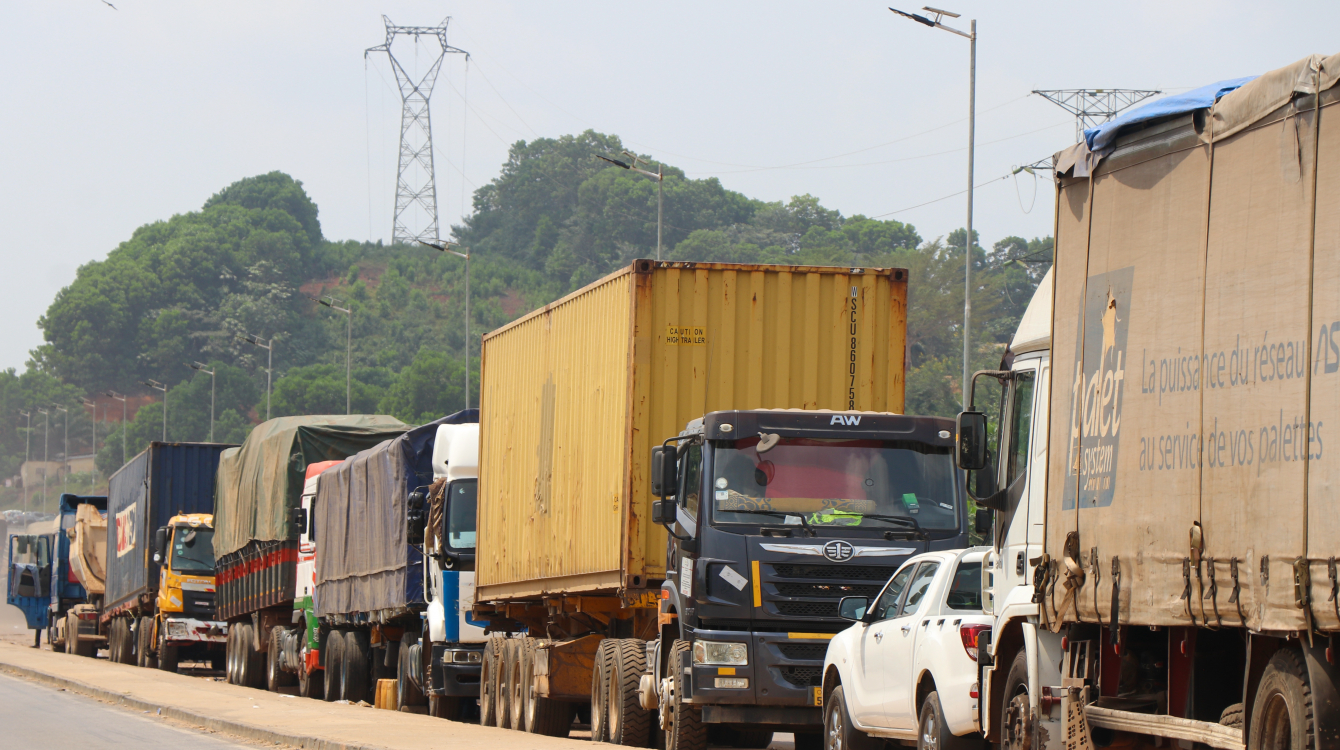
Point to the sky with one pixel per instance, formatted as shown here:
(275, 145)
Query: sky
(116, 115)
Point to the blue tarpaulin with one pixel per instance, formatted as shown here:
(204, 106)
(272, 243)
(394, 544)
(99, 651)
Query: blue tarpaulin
(1101, 138)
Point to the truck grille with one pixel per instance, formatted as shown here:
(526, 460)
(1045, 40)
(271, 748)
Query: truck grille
(808, 609)
(803, 676)
(869, 591)
(813, 591)
(879, 573)
(803, 651)
(198, 603)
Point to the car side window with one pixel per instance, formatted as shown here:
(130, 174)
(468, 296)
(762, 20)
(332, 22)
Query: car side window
(965, 592)
(887, 606)
(916, 590)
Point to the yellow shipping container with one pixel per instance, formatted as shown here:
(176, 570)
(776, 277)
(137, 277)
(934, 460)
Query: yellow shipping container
(575, 395)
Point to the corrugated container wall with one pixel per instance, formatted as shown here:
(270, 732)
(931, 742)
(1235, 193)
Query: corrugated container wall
(165, 480)
(574, 397)
(1196, 345)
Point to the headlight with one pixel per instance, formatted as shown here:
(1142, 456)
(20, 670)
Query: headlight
(466, 657)
(718, 652)
(176, 629)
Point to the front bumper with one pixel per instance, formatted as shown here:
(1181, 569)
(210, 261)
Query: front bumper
(784, 670)
(189, 630)
(455, 679)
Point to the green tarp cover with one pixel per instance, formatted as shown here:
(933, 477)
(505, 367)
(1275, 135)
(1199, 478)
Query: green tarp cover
(260, 483)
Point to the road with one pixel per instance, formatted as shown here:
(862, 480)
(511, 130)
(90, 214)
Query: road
(35, 715)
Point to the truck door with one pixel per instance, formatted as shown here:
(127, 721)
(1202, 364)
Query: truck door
(1010, 565)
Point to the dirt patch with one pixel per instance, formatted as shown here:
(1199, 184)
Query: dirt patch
(513, 304)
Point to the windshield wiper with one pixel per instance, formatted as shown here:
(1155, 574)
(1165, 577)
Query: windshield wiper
(778, 514)
(907, 522)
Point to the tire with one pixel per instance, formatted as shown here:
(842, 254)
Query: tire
(230, 656)
(839, 731)
(168, 654)
(334, 662)
(1232, 716)
(242, 646)
(275, 676)
(488, 683)
(354, 671)
(407, 693)
(511, 650)
(687, 731)
(125, 648)
(629, 724)
(1015, 714)
(932, 734)
(544, 716)
(74, 644)
(600, 690)
(144, 646)
(1282, 713)
(518, 684)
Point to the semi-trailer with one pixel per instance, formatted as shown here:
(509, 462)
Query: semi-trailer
(78, 575)
(364, 616)
(159, 606)
(752, 412)
(259, 516)
(1164, 560)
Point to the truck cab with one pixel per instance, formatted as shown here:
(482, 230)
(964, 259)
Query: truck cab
(185, 623)
(28, 574)
(775, 516)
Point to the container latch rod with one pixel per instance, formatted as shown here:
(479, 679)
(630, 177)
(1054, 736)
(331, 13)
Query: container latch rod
(1235, 597)
(1212, 593)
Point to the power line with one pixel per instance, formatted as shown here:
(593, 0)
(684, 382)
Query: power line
(1093, 107)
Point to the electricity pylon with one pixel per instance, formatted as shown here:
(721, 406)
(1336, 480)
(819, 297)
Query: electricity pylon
(416, 182)
(1093, 107)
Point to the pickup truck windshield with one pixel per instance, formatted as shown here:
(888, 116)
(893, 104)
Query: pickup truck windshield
(192, 550)
(835, 483)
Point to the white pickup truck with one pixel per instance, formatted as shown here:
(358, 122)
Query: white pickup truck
(907, 670)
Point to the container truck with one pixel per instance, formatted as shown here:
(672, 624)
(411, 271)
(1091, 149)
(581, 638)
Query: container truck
(78, 575)
(259, 513)
(365, 610)
(1182, 588)
(683, 468)
(159, 605)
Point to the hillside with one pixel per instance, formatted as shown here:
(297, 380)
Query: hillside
(186, 288)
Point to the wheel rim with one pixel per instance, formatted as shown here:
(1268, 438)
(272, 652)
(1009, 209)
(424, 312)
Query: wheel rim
(835, 728)
(929, 737)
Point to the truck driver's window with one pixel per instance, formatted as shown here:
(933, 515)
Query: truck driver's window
(887, 606)
(691, 485)
(1021, 422)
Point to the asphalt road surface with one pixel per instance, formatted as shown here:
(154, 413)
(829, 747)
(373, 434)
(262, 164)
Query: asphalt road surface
(35, 716)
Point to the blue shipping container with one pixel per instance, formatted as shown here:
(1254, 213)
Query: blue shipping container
(165, 480)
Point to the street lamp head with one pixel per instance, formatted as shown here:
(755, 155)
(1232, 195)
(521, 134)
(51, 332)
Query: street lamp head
(155, 385)
(615, 162)
(915, 17)
(937, 11)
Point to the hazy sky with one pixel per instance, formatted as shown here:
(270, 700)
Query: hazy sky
(111, 118)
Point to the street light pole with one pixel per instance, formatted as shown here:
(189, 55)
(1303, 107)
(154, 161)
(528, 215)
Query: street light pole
(971, 36)
(27, 458)
(46, 450)
(269, 347)
(348, 347)
(121, 397)
(66, 462)
(446, 248)
(659, 176)
(157, 386)
(94, 404)
(201, 367)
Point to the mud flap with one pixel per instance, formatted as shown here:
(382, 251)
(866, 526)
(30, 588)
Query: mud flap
(1077, 736)
(1324, 680)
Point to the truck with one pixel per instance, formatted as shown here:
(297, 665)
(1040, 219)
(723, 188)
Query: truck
(683, 467)
(159, 606)
(368, 591)
(79, 575)
(28, 573)
(259, 514)
(1180, 589)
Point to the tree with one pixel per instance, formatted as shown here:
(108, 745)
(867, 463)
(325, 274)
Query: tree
(431, 387)
(320, 389)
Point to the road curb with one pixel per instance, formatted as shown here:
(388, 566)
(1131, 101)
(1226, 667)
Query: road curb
(236, 728)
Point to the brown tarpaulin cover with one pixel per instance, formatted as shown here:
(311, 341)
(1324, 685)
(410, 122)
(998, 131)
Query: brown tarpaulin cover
(261, 482)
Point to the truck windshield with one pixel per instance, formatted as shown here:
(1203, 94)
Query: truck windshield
(192, 550)
(461, 513)
(835, 483)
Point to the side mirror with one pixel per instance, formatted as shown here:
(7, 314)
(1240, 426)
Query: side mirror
(415, 517)
(664, 472)
(160, 544)
(663, 511)
(982, 521)
(300, 520)
(971, 453)
(853, 608)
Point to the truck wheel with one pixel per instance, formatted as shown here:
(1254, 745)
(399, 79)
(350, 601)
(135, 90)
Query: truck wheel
(276, 676)
(242, 647)
(1282, 716)
(839, 732)
(125, 649)
(687, 731)
(73, 643)
(488, 683)
(334, 663)
(354, 670)
(143, 643)
(511, 650)
(230, 656)
(545, 716)
(407, 693)
(600, 691)
(168, 654)
(629, 724)
(1016, 717)
(114, 641)
(519, 682)
(932, 734)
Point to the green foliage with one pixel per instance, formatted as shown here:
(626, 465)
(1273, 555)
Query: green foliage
(431, 387)
(320, 389)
